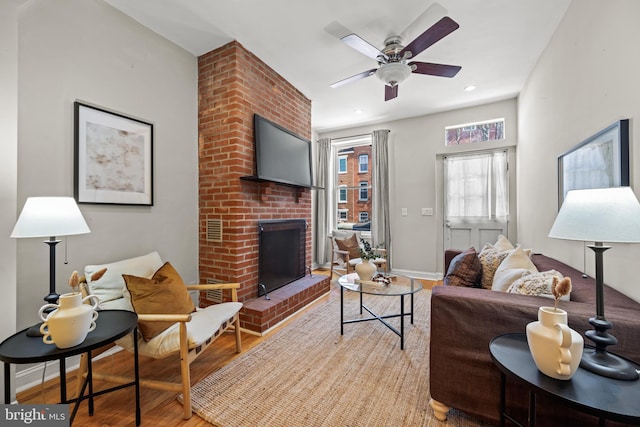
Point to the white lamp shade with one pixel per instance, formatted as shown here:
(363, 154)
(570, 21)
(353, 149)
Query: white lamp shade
(599, 215)
(50, 217)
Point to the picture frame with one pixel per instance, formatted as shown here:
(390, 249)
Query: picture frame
(113, 157)
(600, 161)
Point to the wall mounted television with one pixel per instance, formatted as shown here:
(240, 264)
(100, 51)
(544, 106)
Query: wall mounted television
(281, 156)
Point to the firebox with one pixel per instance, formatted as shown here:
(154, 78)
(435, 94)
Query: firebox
(281, 253)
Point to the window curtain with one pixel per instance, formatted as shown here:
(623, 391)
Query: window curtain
(476, 186)
(322, 202)
(380, 226)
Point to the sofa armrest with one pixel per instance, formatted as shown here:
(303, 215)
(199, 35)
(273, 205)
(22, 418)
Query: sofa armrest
(463, 322)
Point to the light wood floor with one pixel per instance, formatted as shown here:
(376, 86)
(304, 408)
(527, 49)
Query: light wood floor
(158, 408)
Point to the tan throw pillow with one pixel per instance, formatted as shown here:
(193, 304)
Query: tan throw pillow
(464, 270)
(350, 244)
(503, 244)
(164, 293)
(490, 258)
(513, 267)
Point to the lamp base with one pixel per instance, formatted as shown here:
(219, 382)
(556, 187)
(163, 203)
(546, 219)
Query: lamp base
(608, 365)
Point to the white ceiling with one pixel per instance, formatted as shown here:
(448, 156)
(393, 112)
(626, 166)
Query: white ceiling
(497, 45)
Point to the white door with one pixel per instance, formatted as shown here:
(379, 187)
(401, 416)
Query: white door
(476, 199)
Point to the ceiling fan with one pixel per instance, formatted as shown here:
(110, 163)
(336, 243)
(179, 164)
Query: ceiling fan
(393, 61)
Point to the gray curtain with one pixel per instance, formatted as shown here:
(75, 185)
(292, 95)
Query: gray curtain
(322, 202)
(380, 227)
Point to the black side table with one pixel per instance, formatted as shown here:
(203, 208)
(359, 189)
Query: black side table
(110, 326)
(603, 397)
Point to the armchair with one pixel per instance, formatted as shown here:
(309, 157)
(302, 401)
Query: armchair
(187, 335)
(345, 246)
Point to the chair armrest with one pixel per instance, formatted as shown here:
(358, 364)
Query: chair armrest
(164, 317)
(341, 252)
(211, 286)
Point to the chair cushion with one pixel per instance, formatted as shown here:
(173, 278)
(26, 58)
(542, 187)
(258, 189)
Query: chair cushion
(163, 293)
(205, 323)
(349, 244)
(111, 285)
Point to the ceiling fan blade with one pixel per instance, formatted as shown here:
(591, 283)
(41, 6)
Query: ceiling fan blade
(436, 32)
(362, 75)
(432, 69)
(363, 46)
(390, 92)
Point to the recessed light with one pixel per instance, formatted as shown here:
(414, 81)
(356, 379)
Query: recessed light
(359, 111)
(470, 88)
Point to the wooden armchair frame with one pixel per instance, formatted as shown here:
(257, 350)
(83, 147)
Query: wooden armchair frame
(187, 355)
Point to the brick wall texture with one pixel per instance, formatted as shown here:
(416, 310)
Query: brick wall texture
(233, 84)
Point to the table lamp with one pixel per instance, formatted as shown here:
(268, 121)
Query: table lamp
(50, 217)
(600, 215)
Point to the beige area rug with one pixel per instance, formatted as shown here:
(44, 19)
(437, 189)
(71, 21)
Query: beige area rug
(308, 375)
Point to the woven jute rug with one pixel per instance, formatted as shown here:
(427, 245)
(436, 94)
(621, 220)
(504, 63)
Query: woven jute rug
(307, 374)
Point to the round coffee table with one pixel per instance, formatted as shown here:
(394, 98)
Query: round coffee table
(400, 286)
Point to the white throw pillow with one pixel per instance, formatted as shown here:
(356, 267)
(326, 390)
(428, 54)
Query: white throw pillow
(513, 267)
(537, 284)
(111, 285)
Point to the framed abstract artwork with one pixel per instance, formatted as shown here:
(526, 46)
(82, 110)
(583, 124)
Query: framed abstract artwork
(113, 157)
(600, 161)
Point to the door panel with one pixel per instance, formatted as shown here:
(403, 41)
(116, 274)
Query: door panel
(465, 234)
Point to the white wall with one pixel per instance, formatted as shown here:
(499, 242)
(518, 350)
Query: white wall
(8, 164)
(585, 80)
(86, 50)
(414, 145)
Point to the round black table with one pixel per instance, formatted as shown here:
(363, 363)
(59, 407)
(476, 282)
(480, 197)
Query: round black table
(110, 326)
(603, 397)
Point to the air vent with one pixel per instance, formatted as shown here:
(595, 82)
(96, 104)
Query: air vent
(214, 230)
(214, 295)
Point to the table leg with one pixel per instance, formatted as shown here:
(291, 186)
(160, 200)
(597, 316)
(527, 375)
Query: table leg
(90, 380)
(341, 310)
(360, 301)
(63, 380)
(7, 383)
(137, 375)
(532, 408)
(412, 307)
(503, 406)
(402, 321)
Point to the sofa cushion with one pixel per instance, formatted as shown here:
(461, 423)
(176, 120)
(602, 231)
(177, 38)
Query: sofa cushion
(164, 293)
(465, 269)
(538, 283)
(513, 267)
(349, 244)
(111, 285)
(490, 258)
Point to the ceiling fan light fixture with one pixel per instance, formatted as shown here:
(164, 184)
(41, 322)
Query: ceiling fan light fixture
(393, 73)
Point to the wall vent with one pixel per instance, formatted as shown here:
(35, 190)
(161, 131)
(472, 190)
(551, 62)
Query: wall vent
(214, 230)
(214, 295)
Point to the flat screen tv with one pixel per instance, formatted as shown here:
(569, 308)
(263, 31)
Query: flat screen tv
(281, 155)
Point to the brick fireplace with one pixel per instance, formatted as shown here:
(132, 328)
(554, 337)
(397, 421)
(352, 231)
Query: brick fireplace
(233, 85)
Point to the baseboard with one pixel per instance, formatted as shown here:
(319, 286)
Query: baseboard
(33, 375)
(418, 274)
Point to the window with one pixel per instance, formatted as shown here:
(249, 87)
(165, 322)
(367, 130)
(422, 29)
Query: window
(342, 164)
(364, 191)
(471, 133)
(363, 163)
(351, 181)
(476, 186)
(342, 194)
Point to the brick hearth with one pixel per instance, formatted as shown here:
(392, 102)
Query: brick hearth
(233, 85)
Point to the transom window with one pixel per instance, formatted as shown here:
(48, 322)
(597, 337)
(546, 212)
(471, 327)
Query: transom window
(472, 133)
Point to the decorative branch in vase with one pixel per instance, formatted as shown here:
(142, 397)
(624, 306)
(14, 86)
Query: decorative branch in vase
(560, 288)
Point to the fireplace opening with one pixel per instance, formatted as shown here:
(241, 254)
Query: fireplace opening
(281, 253)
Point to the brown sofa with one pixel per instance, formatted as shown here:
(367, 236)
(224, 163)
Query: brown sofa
(464, 320)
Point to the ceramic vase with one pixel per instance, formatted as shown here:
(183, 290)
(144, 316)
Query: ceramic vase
(70, 322)
(556, 348)
(366, 270)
